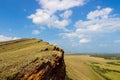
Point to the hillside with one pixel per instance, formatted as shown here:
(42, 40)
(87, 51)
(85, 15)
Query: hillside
(31, 59)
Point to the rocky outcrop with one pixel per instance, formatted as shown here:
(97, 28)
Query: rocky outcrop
(53, 69)
(31, 59)
(46, 71)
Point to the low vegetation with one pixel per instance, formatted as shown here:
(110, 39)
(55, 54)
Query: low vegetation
(114, 56)
(87, 67)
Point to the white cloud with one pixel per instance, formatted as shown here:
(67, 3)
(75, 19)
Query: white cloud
(66, 14)
(46, 15)
(55, 5)
(99, 26)
(36, 32)
(43, 18)
(99, 14)
(40, 17)
(6, 38)
(98, 22)
(69, 35)
(61, 24)
(83, 40)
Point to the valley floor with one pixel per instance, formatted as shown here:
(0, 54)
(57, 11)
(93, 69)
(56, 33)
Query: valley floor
(85, 67)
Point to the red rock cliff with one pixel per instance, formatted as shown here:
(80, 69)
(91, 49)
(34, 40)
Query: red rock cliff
(50, 70)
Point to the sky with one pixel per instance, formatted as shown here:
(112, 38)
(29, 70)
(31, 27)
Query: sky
(77, 26)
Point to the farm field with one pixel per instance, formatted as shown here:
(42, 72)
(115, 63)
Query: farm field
(86, 67)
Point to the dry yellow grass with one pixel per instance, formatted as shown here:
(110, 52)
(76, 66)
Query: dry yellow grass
(83, 67)
(78, 68)
(15, 55)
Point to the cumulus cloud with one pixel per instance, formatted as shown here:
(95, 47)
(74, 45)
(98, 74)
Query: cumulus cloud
(60, 5)
(40, 17)
(61, 24)
(46, 15)
(43, 18)
(35, 32)
(97, 22)
(99, 26)
(6, 38)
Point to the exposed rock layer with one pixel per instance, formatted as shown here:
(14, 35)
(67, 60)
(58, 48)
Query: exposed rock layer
(50, 70)
(46, 71)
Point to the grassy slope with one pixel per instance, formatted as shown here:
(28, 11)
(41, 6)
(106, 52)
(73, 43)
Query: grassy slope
(15, 55)
(83, 67)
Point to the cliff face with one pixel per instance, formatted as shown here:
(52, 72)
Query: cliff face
(54, 70)
(31, 59)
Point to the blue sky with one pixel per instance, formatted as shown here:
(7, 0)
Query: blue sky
(80, 26)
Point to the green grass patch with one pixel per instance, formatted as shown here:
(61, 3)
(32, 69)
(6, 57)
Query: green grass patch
(100, 71)
(113, 63)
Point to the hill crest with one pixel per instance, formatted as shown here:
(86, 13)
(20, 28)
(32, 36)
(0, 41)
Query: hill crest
(28, 59)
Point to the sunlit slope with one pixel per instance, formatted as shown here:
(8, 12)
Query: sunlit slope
(16, 55)
(85, 67)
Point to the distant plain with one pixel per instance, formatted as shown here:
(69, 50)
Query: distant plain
(87, 67)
